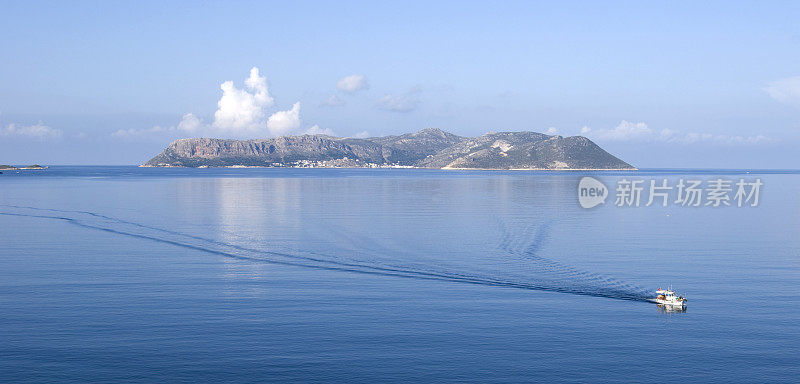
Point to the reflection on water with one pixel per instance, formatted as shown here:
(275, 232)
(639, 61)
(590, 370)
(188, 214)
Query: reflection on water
(385, 275)
(670, 309)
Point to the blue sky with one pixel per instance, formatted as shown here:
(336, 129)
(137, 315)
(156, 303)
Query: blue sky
(659, 84)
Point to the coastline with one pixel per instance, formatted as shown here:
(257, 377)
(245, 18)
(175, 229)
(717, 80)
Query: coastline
(398, 167)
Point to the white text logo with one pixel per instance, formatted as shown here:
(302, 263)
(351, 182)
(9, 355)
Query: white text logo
(591, 192)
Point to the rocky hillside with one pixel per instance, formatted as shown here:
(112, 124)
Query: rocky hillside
(428, 148)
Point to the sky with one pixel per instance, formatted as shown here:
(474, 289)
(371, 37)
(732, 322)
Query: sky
(660, 84)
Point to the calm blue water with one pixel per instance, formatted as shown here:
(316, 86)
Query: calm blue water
(250, 275)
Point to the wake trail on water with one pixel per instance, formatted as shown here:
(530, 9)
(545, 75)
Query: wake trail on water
(537, 272)
(559, 273)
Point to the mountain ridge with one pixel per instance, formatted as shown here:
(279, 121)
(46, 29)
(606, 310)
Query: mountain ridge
(427, 148)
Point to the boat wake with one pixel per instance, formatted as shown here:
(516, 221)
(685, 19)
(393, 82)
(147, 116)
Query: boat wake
(559, 274)
(519, 264)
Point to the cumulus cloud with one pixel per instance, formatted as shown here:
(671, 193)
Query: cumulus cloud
(405, 102)
(785, 90)
(37, 131)
(352, 83)
(282, 122)
(316, 130)
(361, 135)
(552, 131)
(640, 132)
(190, 123)
(258, 84)
(242, 111)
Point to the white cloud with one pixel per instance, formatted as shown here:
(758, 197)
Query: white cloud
(258, 84)
(406, 102)
(785, 90)
(552, 131)
(667, 133)
(190, 123)
(625, 131)
(640, 132)
(352, 83)
(37, 131)
(142, 133)
(361, 135)
(282, 122)
(241, 111)
(333, 101)
(672, 136)
(759, 139)
(694, 137)
(316, 130)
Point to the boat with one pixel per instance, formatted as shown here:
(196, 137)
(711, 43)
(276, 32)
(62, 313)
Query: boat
(668, 297)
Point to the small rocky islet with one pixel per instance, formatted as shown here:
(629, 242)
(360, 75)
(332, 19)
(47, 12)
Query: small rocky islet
(6, 167)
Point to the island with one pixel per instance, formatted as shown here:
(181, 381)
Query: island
(35, 167)
(428, 148)
(6, 167)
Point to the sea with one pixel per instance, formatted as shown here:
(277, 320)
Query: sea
(127, 274)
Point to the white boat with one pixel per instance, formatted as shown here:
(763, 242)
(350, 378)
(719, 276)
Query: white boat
(668, 297)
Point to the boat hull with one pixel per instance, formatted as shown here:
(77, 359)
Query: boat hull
(677, 303)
